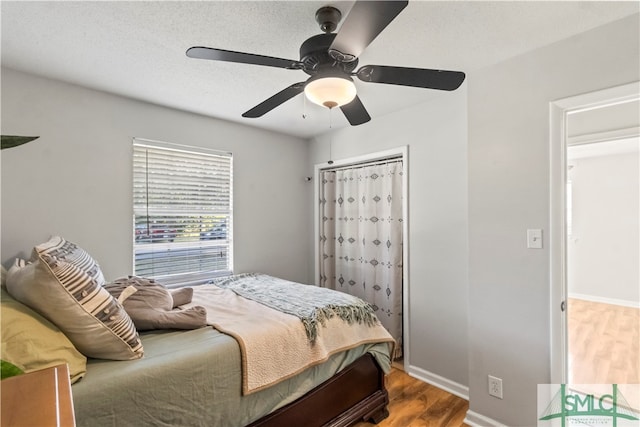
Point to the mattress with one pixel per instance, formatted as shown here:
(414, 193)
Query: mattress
(192, 378)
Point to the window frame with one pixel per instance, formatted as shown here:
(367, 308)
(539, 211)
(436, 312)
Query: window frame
(183, 248)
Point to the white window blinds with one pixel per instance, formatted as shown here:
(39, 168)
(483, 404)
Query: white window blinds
(182, 212)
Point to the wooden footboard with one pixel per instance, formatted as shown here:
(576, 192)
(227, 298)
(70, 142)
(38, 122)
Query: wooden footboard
(355, 393)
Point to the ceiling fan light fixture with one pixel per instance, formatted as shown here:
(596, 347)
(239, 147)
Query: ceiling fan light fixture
(331, 91)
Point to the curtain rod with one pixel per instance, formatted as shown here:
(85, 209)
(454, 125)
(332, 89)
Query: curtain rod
(360, 165)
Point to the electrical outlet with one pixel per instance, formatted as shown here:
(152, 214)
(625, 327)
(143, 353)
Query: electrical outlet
(495, 386)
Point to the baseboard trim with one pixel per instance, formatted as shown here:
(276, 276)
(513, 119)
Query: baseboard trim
(614, 301)
(475, 419)
(438, 381)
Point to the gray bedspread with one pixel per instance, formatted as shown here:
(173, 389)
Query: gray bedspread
(191, 378)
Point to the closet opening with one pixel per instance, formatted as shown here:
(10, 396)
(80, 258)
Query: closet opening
(361, 235)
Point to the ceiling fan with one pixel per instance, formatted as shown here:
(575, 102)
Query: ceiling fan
(331, 58)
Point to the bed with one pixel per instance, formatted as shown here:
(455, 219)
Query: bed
(205, 377)
(325, 368)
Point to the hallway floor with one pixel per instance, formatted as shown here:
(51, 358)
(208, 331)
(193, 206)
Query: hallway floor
(604, 346)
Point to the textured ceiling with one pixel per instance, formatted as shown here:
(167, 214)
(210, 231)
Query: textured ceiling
(137, 49)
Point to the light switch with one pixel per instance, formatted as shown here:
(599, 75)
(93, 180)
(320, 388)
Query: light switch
(534, 238)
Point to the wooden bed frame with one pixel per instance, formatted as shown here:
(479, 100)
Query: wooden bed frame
(357, 393)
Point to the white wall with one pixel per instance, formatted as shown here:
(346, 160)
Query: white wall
(603, 250)
(509, 327)
(75, 180)
(436, 134)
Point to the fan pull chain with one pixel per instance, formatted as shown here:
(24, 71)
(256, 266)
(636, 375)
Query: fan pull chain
(330, 145)
(330, 119)
(330, 136)
(304, 107)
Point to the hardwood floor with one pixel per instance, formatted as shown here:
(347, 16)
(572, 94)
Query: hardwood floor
(413, 403)
(604, 343)
(604, 346)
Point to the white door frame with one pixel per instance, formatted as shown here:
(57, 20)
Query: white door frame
(558, 112)
(402, 152)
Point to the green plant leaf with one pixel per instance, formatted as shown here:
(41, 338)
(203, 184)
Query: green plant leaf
(9, 369)
(10, 141)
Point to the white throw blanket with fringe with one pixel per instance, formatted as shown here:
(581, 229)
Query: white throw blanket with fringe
(275, 345)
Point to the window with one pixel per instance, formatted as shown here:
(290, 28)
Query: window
(182, 212)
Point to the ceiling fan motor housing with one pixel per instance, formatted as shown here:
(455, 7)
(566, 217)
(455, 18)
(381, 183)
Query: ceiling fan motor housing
(314, 54)
(328, 17)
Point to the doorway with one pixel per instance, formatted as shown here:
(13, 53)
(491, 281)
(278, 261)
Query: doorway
(564, 236)
(603, 314)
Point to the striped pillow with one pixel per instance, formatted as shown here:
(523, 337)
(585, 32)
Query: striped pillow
(72, 299)
(62, 249)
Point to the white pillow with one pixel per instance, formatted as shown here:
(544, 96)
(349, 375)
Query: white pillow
(74, 300)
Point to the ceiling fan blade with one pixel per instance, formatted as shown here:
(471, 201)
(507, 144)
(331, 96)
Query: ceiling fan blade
(200, 52)
(277, 99)
(365, 21)
(416, 77)
(355, 112)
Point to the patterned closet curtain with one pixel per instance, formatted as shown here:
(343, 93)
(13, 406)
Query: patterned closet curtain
(361, 237)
